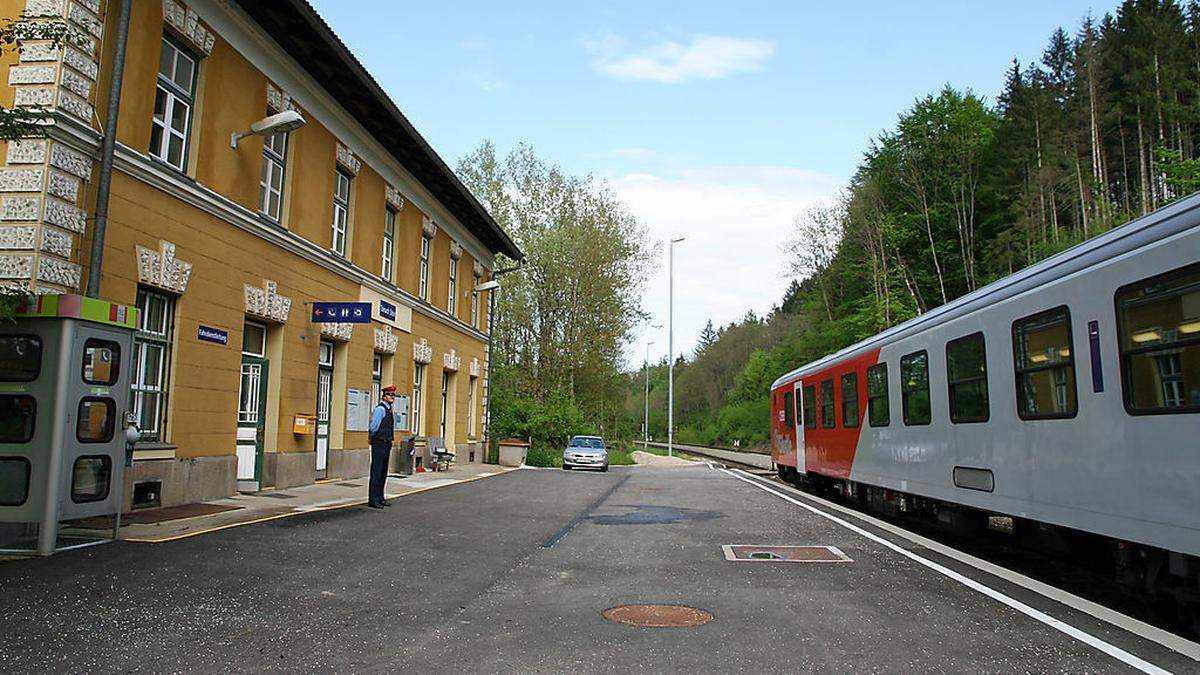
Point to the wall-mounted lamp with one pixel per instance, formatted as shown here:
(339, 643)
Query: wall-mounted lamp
(283, 122)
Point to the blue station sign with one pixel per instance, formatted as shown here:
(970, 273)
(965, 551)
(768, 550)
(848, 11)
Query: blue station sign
(387, 310)
(210, 334)
(341, 312)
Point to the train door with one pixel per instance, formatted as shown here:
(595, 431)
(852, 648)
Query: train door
(252, 407)
(324, 403)
(798, 422)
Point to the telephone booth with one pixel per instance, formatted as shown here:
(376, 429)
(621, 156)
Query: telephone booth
(64, 393)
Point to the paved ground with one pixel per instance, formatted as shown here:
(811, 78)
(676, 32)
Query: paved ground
(509, 574)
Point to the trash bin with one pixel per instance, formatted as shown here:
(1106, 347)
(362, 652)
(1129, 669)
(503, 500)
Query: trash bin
(512, 453)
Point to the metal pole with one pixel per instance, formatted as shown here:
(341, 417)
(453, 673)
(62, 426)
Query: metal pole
(671, 348)
(107, 147)
(487, 411)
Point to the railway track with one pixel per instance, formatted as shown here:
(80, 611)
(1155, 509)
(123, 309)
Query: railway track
(751, 461)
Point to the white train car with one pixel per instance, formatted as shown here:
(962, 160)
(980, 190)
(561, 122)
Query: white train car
(1066, 394)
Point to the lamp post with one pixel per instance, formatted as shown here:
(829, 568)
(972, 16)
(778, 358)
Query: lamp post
(491, 285)
(671, 346)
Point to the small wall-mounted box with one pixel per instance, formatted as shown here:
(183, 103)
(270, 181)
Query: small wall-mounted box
(304, 424)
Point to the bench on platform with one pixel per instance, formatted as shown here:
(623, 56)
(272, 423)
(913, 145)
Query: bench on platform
(441, 456)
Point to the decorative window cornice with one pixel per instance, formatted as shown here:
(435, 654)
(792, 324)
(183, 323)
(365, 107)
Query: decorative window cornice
(338, 331)
(161, 269)
(266, 303)
(477, 268)
(347, 160)
(393, 197)
(185, 20)
(279, 100)
(456, 250)
(474, 369)
(451, 361)
(428, 227)
(386, 341)
(422, 352)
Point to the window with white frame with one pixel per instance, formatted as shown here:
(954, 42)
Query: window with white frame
(271, 184)
(173, 100)
(453, 301)
(423, 282)
(389, 243)
(341, 212)
(376, 378)
(151, 362)
(418, 390)
(474, 301)
(471, 406)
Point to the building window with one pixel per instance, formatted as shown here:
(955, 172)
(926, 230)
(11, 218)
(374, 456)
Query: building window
(271, 184)
(452, 302)
(877, 396)
(471, 405)
(474, 301)
(376, 378)
(966, 374)
(389, 243)
(418, 390)
(828, 419)
(1158, 327)
(423, 281)
(173, 97)
(850, 400)
(341, 212)
(914, 388)
(1045, 365)
(810, 407)
(445, 397)
(152, 362)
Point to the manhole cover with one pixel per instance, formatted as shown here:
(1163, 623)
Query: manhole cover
(657, 616)
(748, 553)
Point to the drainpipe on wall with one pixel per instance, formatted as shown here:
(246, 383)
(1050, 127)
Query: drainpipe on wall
(107, 147)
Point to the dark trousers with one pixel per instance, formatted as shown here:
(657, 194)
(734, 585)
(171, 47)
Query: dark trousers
(381, 452)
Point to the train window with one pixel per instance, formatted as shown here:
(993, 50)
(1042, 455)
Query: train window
(877, 396)
(18, 414)
(966, 373)
(1158, 326)
(1045, 365)
(101, 362)
(14, 481)
(90, 479)
(827, 406)
(810, 407)
(20, 358)
(914, 388)
(850, 400)
(97, 419)
(789, 412)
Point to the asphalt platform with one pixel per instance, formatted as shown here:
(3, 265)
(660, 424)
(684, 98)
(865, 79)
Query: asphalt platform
(511, 573)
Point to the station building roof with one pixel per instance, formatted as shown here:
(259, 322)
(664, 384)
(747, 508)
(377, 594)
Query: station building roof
(305, 36)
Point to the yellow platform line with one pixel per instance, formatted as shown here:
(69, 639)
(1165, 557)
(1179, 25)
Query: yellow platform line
(288, 514)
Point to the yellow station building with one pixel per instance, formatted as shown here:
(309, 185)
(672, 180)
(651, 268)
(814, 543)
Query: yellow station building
(224, 249)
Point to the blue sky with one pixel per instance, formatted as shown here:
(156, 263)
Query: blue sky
(712, 120)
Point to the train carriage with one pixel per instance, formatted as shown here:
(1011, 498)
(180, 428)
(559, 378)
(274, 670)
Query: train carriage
(1066, 394)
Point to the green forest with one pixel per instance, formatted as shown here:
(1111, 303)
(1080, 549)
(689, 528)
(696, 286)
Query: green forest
(963, 190)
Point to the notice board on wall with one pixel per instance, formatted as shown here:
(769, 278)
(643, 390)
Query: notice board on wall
(358, 409)
(400, 411)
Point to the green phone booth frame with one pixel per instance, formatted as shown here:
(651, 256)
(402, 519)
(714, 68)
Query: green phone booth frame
(65, 368)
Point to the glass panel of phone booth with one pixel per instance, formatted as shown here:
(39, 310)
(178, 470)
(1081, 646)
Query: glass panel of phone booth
(93, 459)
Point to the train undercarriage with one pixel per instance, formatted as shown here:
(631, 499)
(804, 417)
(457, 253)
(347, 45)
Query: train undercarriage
(1162, 584)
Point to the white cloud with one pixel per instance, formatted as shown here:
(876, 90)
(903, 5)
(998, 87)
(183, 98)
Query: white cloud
(703, 57)
(735, 219)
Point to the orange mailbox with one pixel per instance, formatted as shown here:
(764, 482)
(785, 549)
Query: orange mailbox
(304, 424)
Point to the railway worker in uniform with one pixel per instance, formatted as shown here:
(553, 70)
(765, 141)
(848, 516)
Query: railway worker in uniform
(381, 431)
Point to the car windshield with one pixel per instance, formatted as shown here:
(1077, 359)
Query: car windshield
(582, 442)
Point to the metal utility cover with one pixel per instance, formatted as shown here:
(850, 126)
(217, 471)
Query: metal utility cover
(657, 616)
(752, 553)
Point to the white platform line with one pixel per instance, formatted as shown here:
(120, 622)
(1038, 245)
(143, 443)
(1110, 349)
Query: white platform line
(1065, 628)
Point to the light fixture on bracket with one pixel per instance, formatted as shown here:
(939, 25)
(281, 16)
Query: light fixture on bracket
(283, 122)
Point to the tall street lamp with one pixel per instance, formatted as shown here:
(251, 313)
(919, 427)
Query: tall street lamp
(671, 346)
(491, 285)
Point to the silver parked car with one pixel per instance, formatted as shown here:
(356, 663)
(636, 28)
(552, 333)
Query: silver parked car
(586, 451)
